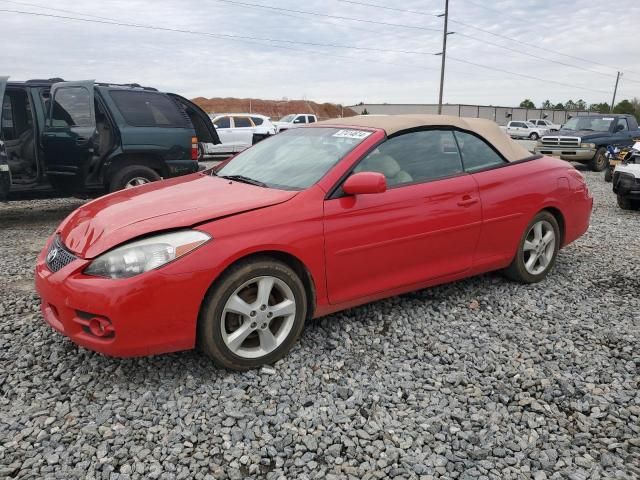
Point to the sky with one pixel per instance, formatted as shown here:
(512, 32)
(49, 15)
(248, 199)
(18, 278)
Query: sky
(572, 48)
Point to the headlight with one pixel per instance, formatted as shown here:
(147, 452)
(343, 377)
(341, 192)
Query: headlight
(140, 256)
(590, 146)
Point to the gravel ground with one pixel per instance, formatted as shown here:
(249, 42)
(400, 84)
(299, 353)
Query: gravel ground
(477, 379)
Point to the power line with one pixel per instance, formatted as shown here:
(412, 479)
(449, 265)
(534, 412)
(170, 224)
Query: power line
(415, 12)
(107, 21)
(326, 15)
(254, 39)
(524, 75)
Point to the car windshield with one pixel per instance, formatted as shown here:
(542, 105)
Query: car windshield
(530, 124)
(287, 118)
(597, 124)
(295, 159)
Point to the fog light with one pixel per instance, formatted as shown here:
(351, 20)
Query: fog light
(100, 327)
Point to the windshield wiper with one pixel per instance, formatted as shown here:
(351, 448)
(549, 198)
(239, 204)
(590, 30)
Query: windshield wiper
(243, 179)
(587, 129)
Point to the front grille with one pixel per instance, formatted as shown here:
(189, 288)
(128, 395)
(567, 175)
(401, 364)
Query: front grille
(58, 256)
(549, 141)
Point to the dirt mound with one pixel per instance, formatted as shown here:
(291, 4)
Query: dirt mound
(272, 108)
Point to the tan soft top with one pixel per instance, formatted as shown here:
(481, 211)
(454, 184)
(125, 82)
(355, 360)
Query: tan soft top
(392, 124)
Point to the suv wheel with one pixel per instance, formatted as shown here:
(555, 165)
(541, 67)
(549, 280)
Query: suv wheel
(132, 176)
(608, 175)
(534, 136)
(599, 161)
(253, 316)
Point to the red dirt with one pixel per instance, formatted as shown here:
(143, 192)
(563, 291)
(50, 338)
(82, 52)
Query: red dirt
(272, 108)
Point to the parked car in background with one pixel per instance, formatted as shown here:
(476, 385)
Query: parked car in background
(546, 124)
(87, 137)
(521, 129)
(294, 120)
(585, 138)
(626, 180)
(237, 130)
(311, 221)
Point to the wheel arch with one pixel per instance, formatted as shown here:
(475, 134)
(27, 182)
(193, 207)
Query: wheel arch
(559, 216)
(288, 259)
(121, 160)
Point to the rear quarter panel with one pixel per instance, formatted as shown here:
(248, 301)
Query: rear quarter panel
(512, 196)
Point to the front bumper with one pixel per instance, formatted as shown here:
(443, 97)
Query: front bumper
(569, 154)
(152, 313)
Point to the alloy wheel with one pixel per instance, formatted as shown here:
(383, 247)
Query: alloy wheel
(258, 317)
(539, 247)
(136, 182)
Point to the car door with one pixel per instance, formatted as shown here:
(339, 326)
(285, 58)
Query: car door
(425, 226)
(70, 132)
(243, 129)
(622, 135)
(300, 120)
(5, 177)
(224, 129)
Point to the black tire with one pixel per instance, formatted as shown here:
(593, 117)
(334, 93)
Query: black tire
(210, 335)
(608, 175)
(534, 136)
(517, 270)
(123, 176)
(599, 161)
(627, 204)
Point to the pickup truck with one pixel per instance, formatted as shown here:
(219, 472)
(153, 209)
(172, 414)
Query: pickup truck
(294, 120)
(544, 123)
(585, 138)
(518, 129)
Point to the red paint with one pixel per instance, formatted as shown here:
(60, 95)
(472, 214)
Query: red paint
(365, 183)
(356, 248)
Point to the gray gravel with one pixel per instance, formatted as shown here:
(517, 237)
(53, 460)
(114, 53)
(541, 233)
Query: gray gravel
(478, 379)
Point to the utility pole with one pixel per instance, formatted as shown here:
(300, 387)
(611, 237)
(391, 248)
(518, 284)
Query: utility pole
(615, 90)
(445, 33)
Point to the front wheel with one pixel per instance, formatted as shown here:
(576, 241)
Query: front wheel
(253, 315)
(537, 250)
(599, 161)
(534, 136)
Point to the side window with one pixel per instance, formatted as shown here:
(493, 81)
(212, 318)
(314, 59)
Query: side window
(516, 124)
(72, 108)
(299, 119)
(242, 122)
(148, 109)
(415, 157)
(257, 121)
(223, 122)
(311, 119)
(476, 153)
(623, 122)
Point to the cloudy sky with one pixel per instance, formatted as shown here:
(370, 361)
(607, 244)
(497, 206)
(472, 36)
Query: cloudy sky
(576, 44)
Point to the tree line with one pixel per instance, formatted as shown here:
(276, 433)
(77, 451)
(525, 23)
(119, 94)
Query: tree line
(631, 107)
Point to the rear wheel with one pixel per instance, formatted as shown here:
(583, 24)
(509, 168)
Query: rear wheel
(253, 316)
(599, 161)
(537, 250)
(132, 176)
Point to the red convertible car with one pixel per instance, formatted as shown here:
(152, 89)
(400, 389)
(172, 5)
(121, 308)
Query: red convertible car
(311, 221)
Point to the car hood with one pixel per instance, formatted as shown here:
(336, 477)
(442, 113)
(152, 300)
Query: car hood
(579, 133)
(177, 203)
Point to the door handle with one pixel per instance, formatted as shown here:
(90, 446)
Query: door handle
(467, 201)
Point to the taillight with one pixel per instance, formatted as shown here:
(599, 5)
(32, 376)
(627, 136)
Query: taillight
(194, 148)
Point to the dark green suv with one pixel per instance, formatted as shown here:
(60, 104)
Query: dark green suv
(85, 137)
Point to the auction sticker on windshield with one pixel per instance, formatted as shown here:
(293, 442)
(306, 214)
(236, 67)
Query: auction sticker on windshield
(358, 134)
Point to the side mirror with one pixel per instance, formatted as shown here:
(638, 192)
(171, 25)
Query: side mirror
(364, 183)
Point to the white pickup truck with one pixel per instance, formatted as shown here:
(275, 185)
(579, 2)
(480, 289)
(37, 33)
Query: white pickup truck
(518, 129)
(294, 120)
